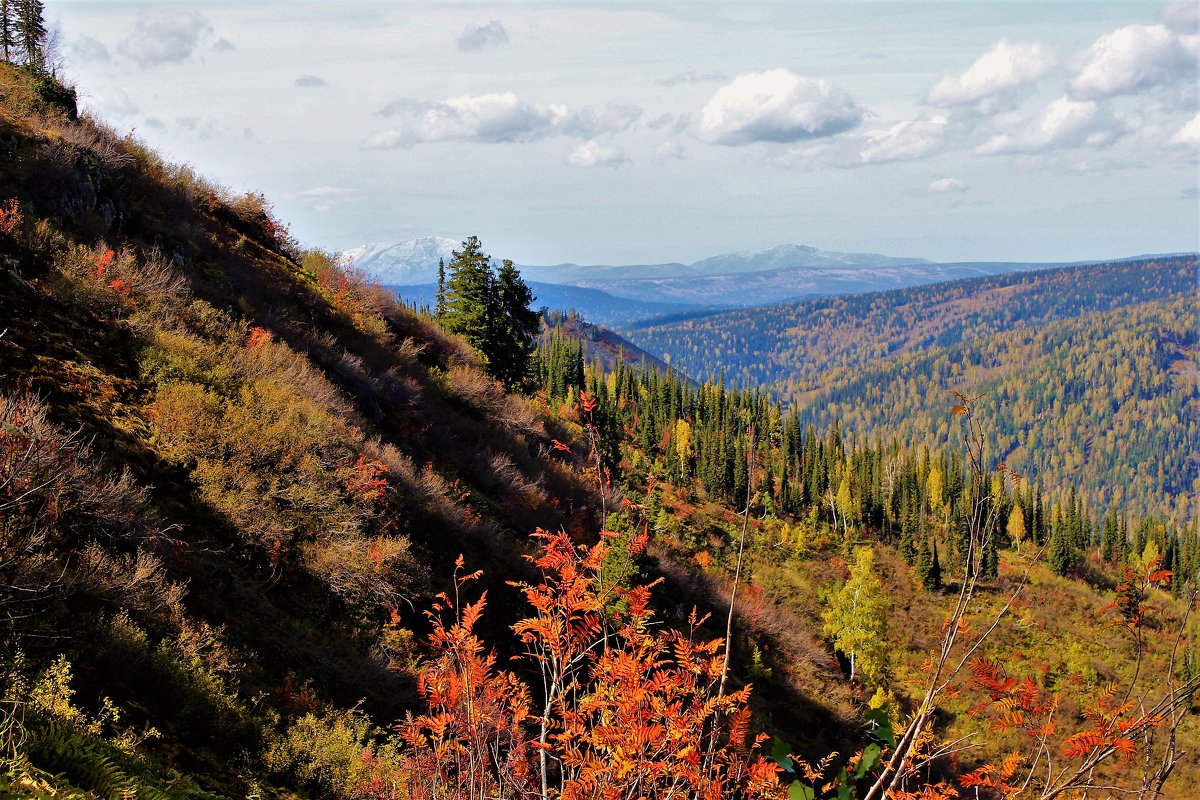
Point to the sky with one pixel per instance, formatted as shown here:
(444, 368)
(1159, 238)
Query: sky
(650, 132)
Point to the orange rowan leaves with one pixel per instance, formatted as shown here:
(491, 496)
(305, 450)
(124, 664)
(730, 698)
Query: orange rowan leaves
(630, 709)
(257, 338)
(586, 402)
(103, 261)
(10, 216)
(368, 481)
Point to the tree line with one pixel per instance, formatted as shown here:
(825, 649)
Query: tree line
(1080, 366)
(728, 444)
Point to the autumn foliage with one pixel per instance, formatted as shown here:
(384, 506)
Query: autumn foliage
(626, 708)
(10, 216)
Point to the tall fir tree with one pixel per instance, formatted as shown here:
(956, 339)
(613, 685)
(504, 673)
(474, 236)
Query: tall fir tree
(468, 298)
(8, 34)
(514, 328)
(439, 309)
(1061, 551)
(30, 30)
(491, 311)
(989, 559)
(933, 580)
(924, 563)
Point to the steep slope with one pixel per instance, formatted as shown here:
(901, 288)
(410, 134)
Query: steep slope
(237, 473)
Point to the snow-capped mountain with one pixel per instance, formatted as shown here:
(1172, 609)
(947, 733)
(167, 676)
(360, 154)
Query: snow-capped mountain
(414, 261)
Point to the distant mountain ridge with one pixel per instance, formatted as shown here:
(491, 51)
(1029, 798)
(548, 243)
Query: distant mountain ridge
(625, 294)
(787, 256)
(597, 306)
(415, 261)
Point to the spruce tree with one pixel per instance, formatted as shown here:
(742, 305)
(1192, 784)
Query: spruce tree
(468, 298)
(440, 308)
(30, 30)
(8, 36)
(1061, 553)
(989, 562)
(908, 525)
(924, 563)
(515, 327)
(934, 580)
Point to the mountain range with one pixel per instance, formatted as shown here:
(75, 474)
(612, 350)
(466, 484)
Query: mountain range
(623, 294)
(416, 261)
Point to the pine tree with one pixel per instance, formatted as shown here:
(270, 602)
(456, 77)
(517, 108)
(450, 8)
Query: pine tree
(30, 31)
(934, 581)
(515, 327)
(8, 40)
(989, 562)
(1061, 553)
(468, 297)
(924, 563)
(491, 311)
(440, 308)
(908, 524)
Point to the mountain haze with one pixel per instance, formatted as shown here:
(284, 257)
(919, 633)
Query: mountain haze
(784, 273)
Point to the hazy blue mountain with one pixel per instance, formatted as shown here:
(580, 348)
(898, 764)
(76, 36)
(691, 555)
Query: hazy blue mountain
(593, 304)
(415, 262)
(784, 273)
(796, 283)
(787, 256)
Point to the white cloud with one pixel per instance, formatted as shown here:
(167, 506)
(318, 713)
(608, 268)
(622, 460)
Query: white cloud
(1133, 58)
(164, 38)
(594, 154)
(491, 118)
(777, 106)
(589, 122)
(310, 82)
(481, 37)
(1063, 123)
(1189, 133)
(223, 46)
(944, 185)
(904, 141)
(1181, 15)
(995, 75)
(202, 128)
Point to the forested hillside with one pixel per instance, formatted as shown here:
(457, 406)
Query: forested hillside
(267, 532)
(687, 455)
(1087, 369)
